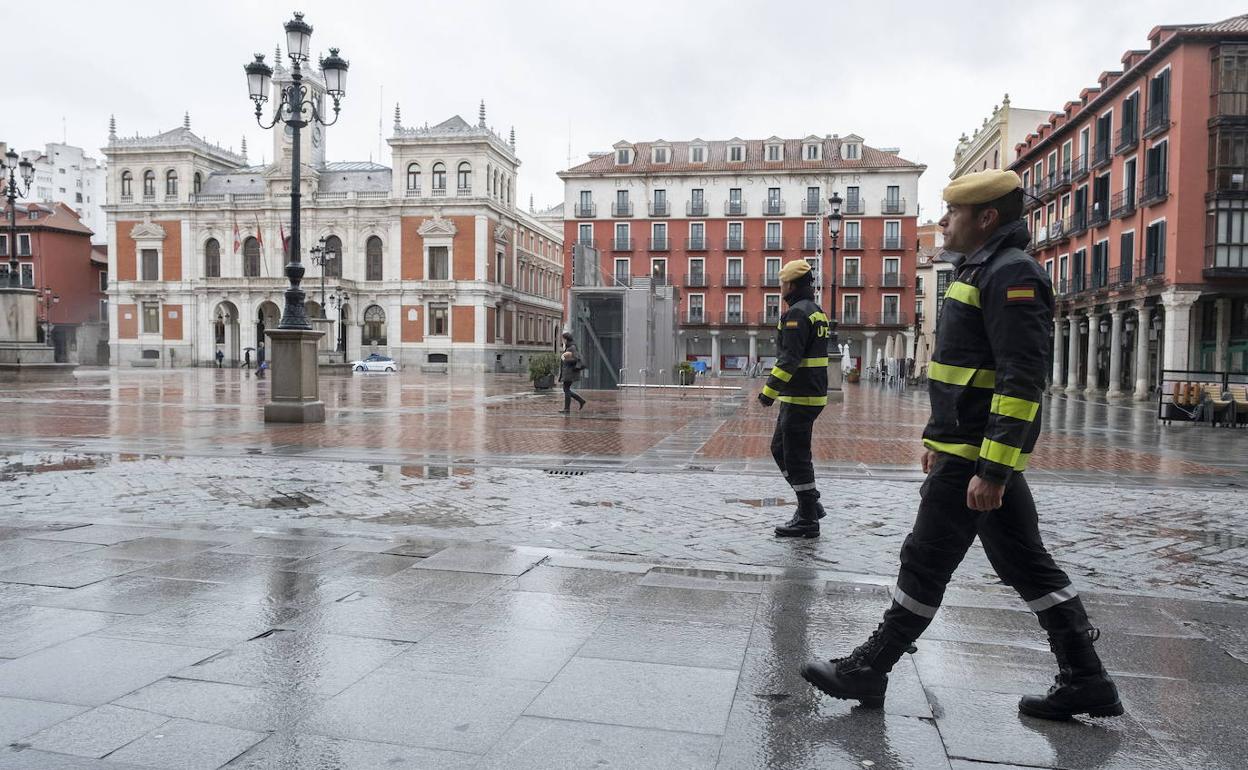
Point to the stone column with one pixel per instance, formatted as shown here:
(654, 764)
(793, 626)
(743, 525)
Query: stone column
(1223, 335)
(1090, 385)
(753, 347)
(869, 358)
(1176, 347)
(1072, 365)
(1059, 352)
(1141, 351)
(715, 352)
(1115, 355)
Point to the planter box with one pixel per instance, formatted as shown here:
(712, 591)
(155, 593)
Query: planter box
(687, 378)
(544, 383)
(852, 377)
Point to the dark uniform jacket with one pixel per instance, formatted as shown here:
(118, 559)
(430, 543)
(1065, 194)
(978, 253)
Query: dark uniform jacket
(800, 375)
(992, 353)
(570, 371)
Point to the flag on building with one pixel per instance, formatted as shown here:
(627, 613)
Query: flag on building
(237, 243)
(285, 241)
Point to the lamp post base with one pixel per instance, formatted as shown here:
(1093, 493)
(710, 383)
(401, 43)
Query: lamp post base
(295, 392)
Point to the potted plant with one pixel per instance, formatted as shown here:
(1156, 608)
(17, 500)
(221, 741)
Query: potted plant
(851, 374)
(685, 373)
(542, 369)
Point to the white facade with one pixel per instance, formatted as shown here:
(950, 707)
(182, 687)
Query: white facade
(66, 174)
(992, 144)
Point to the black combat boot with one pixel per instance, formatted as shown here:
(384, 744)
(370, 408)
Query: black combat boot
(805, 521)
(863, 674)
(1081, 685)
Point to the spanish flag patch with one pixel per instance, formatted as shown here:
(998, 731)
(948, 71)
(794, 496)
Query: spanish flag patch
(1020, 294)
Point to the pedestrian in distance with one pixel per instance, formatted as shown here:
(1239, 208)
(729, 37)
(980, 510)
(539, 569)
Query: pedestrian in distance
(247, 359)
(986, 378)
(570, 367)
(261, 365)
(220, 357)
(799, 381)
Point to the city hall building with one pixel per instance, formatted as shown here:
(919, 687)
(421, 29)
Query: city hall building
(429, 261)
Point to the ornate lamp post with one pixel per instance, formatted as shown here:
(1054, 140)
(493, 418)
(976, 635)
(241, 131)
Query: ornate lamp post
(48, 300)
(13, 190)
(834, 230)
(296, 390)
(319, 257)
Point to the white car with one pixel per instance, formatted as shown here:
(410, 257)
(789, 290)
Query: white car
(376, 363)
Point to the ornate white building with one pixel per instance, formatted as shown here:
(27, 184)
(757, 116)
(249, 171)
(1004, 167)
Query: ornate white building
(439, 266)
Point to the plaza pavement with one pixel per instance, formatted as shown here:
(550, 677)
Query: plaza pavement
(448, 574)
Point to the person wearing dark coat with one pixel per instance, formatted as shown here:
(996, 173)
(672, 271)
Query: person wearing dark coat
(570, 367)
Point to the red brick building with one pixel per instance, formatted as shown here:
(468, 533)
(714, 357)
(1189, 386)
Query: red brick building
(719, 218)
(55, 256)
(1140, 211)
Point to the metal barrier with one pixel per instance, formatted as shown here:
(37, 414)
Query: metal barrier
(1190, 395)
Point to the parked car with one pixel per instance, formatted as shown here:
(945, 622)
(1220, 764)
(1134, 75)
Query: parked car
(376, 363)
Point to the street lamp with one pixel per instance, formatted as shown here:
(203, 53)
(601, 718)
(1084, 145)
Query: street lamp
(296, 394)
(834, 230)
(47, 300)
(13, 190)
(320, 255)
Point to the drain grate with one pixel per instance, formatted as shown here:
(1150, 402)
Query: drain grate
(561, 472)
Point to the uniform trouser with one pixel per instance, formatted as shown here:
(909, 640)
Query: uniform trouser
(568, 395)
(790, 446)
(942, 534)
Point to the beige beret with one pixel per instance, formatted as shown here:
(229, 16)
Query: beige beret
(981, 186)
(794, 270)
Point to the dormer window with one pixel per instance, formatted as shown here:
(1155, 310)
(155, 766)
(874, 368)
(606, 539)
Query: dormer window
(736, 153)
(812, 151)
(853, 151)
(775, 152)
(697, 154)
(623, 156)
(659, 155)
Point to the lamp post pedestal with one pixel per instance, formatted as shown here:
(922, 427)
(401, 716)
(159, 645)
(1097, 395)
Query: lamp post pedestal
(295, 393)
(20, 349)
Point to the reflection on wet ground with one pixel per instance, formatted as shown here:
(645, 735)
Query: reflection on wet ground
(242, 649)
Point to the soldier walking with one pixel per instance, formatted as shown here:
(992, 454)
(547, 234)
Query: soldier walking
(986, 379)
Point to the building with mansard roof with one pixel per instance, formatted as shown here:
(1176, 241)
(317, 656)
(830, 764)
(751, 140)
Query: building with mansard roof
(437, 266)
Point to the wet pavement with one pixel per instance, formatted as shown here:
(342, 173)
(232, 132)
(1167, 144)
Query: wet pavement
(447, 574)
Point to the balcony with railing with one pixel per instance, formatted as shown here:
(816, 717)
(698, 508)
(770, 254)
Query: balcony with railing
(769, 279)
(853, 280)
(893, 206)
(773, 208)
(695, 208)
(1153, 189)
(1100, 214)
(621, 209)
(735, 208)
(734, 318)
(660, 278)
(773, 243)
(769, 317)
(621, 244)
(696, 243)
(660, 209)
(1101, 156)
(696, 317)
(850, 318)
(589, 243)
(734, 244)
(149, 197)
(1150, 267)
(893, 280)
(891, 318)
(812, 207)
(1076, 223)
(1156, 120)
(852, 242)
(1078, 283)
(892, 243)
(1227, 257)
(1079, 168)
(735, 281)
(622, 279)
(1121, 275)
(1122, 203)
(853, 206)
(1126, 137)
(1057, 232)
(437, 192)
(660, 243)
(695, 280)
(811, 242)
(463, 192)
(412, 192)
(1059, 180)
(583, 210)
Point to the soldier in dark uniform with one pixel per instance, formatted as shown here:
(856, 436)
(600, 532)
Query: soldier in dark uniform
(799, 381)
(987, 376)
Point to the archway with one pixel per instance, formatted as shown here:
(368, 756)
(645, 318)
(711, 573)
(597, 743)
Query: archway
(225, 333)
(267, 317)
(344, 320)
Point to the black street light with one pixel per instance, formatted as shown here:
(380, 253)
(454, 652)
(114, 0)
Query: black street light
(48, 300)
(834, 229)
(320, 256)
(13, 190)
(296, 111)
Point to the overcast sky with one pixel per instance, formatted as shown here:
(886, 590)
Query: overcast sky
(913, 75)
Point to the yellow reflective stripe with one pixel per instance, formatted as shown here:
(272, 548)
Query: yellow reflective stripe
(961, 375)
(814, 362)
(1002, 454)
(965, 451)
(964, 293)
(805, 400)
(770, 392)
(817, 316)
(1018, 408)
(780, 374)
(1021, 464)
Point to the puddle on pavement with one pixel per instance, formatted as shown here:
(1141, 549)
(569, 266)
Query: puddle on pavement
(762, 502)
(10, 470)
(400, 472)
(284, 501)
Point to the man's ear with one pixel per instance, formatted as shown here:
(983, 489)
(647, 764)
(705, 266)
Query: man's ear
(989, 219)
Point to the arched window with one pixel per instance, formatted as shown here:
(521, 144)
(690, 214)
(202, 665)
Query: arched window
(126, 180)
(439, 177)
(198, 183)
(372, 259)
(996, 159)
(413, 177)
(149, 184)
(374, 326)
(251, 258)
(464, 179)
(212, 259)
(171, 183)
(333, 267)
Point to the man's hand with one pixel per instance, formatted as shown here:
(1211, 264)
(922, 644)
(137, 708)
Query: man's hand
(765, 400)
(983, 495)
(928, 460)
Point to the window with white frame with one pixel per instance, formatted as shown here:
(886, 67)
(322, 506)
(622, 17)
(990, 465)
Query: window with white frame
(773, 271)
(697, 235)
(658, 235)
(151, 318)
(623, 271)
(150, 264)
(658, 271)
(892, 271)
(849, 308)
(621, 235)
(812, 151)
(439, 320)
(853, 234)
(623, 156)
(775, 152)
(736, 272)
(585, 234)
(697, 308)
(892, 309)
(697, 271)
(732, 306)
(660, 155)
(697, 154)
(771, 308)
(736, 153)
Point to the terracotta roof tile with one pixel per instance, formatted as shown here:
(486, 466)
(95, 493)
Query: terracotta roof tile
(755, 153)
